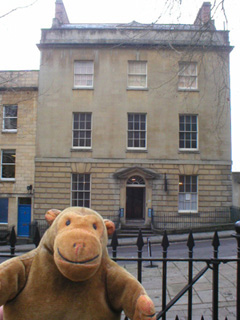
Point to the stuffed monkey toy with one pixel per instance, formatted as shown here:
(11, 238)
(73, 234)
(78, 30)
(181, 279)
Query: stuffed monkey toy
(70, 275)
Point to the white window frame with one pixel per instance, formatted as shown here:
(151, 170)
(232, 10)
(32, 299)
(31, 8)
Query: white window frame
(78, 64)
(186, 76)
(84, 130)
(8, 164)
(188, 130)
(133, 130)
(5, 118)
(136, 74)
(187, 196)
(81, 202)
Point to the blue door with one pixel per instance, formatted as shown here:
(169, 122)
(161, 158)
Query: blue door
(24, 219)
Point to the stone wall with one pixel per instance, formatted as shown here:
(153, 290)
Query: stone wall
(53, 186)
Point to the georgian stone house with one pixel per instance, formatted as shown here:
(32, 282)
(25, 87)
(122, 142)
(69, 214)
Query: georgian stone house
(134, 119)
(18, 111)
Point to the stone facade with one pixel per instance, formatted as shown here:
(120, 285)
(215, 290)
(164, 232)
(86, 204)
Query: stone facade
(161, 166)
(20, 89)
(53, 180)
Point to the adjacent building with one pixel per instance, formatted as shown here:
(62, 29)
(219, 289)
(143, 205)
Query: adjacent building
(236, 189)
(18, 103)
(134, 119)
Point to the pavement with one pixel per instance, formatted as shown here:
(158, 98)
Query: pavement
(177, 278)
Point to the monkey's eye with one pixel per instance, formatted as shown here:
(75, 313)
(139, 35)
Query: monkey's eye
(68, 222)
(94, 226)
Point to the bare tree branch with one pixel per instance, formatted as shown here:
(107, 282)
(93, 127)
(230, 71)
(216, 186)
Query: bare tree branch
(15, 9)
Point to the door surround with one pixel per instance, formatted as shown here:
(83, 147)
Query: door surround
(147, 175)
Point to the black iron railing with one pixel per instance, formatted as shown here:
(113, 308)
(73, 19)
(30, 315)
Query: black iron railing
(191, 220)
(210, 264)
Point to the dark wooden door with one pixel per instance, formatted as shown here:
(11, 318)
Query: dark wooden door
(134, 203)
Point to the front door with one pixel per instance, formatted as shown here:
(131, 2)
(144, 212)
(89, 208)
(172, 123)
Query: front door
(24, 217)
(135, 203)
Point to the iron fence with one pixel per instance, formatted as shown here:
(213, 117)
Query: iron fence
(37, 226)
(235, 213)
(4, 234)
(212, 264)
(191, 220)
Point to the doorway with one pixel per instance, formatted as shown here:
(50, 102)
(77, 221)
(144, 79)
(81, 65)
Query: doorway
(135, 203)
(24, 216)
(135, 198)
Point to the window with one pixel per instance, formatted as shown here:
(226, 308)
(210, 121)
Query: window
(3, 210)
(82, 130)
(81, 190)
(136, 180)
(137, 74)
(8, 165)
(83, 74)
(136, 131)
(10, 118)
(187, 77)
(188, 196)
(188, 132)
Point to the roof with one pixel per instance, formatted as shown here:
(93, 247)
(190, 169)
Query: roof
(133, 25)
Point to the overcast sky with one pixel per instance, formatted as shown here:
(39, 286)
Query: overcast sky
(20, 31)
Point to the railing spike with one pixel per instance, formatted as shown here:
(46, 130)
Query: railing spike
(176, 318)
(140, 242)
(202, 318)
(215, 242)
(13, 240)
(114, 242)
(165, 242)
(37, 237)
(190, 242)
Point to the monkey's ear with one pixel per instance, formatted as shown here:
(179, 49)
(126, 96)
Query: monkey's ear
(51, 215)
(110, 226)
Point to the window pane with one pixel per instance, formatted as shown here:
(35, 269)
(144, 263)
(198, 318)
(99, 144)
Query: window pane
(137, 73)
(130, 125)
(187, 199)
(136, 125)
(136, 144)
(8, 156)
(3, 210)
(136, 135)
(130, 143)
(81, 190)
(83, 73)
(187, 75)
(8, 171)
(143, 145)
(82, 129)
(10, 111)
(137, 130)
(10, 117)
(136, 117)
(10, 123)
(188, 131)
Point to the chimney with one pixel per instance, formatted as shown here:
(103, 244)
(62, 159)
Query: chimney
(204, 14)
(61, 16)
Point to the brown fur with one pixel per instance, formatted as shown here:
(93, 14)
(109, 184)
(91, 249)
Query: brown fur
(70, 275)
